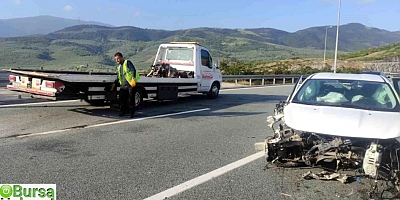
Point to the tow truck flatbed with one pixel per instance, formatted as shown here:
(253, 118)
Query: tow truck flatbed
(88, 77)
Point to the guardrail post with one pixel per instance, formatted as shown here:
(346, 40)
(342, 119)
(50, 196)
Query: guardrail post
(292, 80)
(262, 82)
(235, 82)
(284, 80)
(250, 82)
(273, 81)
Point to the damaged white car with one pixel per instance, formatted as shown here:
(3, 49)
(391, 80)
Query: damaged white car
(339, 121)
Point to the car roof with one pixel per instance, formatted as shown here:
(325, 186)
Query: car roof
(372, 72)
(345, 76)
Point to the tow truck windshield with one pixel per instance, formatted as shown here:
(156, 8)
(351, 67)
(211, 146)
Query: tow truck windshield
(175, 54)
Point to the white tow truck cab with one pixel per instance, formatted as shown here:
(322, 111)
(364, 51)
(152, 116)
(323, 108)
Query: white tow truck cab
(187, 57)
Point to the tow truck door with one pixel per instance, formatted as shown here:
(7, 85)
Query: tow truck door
(206, 68)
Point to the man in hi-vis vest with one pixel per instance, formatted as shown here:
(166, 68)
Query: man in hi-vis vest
(126, 79)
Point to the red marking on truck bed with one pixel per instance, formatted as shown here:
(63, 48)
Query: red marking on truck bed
(51, 94)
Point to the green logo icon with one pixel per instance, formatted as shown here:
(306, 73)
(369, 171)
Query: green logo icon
(5, 191)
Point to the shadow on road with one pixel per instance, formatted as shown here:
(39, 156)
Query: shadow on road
(4, 78)
(224, 101)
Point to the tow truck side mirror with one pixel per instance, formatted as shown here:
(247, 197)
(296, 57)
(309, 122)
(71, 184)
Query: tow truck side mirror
(216, 65)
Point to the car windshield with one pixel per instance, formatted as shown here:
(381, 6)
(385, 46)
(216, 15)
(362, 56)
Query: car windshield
(348, 93)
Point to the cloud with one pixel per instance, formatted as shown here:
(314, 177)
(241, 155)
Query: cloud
(68, 8)
(17, 2)
(366, 1)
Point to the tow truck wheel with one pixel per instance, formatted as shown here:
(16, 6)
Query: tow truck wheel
(138, 98)
(214, 91)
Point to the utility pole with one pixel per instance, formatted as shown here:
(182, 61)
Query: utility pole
(337, 38)
(326, 35)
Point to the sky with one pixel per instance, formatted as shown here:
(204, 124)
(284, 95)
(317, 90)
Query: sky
(287, 15)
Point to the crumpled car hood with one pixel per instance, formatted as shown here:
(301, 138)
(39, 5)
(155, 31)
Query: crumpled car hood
(344, 122)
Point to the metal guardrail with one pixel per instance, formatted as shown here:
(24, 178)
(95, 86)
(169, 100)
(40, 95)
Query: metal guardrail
(231, 77)
(393, 74)
(281, 78)
(264, 79)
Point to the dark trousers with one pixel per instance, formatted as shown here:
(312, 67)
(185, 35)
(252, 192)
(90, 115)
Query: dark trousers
(127, 99)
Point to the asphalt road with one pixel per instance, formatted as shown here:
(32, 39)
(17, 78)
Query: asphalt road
(3, 78)
(91, 153)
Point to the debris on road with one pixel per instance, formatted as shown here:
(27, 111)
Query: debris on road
(286, 194)
(325, 175)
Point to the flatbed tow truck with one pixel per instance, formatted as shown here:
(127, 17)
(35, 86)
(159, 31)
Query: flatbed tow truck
(179, 68)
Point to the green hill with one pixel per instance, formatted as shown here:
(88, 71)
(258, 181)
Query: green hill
(352, 37)
(94, 46)
(383, 53)
(347, 62)
(91, 47)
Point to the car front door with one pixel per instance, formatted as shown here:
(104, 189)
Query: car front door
(396, 83)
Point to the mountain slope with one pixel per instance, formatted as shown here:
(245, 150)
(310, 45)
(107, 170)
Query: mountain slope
(97, 33)
(352, 37)
(389, 53)
(384, 58)
(95, 45)
(37, 25)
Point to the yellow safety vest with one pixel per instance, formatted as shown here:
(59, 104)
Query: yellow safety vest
(128, 74)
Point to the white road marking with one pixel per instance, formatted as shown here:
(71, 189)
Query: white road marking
(38, 103)
(112, 123)
(249, 88)
(206, 177)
